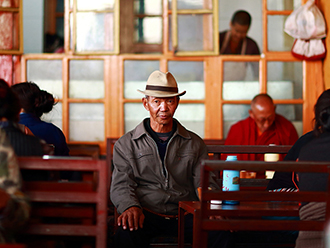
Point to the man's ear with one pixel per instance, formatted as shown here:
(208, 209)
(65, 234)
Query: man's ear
(275, 107)
(251, 114)
(145, 103)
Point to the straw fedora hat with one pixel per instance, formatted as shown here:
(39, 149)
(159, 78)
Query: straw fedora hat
(161, 84)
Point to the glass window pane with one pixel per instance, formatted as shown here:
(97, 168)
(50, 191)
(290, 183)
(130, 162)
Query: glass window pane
(233, 113)
(95, 5)
(240, 71)
(190, 77)
(95, 32)
(49, 78)
(240, 90)
(136, 73)
(60, 26)
(149, 30)
(283, 4)
(191, 28)
(148, 7)
(254, 7)
(86, 121)
(60, 6)
(285, 80)
(134, 113)
(86, 79)
(281, 41)
(192, 117)
(293, 112)
(191, 4)
(54, 116)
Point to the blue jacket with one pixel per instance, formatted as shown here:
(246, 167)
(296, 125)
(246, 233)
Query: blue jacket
(46, 131)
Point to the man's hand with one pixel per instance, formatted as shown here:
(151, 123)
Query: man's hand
(132, 216)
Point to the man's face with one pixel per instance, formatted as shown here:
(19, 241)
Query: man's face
(161, 111)
(238, 32)
(264, 116)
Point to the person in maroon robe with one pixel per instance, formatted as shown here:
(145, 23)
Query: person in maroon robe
(262, 127)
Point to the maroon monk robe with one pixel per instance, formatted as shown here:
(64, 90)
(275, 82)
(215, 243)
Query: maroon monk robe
(245, 132)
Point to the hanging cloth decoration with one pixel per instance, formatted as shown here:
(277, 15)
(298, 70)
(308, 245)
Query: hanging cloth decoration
(307, 25)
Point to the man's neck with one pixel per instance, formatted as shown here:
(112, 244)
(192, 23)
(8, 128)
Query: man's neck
(161, 128)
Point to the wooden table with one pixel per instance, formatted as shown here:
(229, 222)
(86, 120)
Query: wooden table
(244, 209)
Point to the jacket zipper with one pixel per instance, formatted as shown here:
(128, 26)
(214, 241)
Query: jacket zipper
(163, 165)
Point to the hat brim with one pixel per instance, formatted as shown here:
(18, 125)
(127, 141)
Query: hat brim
(156, 93)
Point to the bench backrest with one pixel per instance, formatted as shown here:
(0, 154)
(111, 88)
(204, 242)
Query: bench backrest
(217, 150)
(61, 197)
(255, 220)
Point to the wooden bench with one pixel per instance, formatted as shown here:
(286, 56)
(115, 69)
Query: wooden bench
(84, 201)
(254, 205)
(85, 150)
(218, 150)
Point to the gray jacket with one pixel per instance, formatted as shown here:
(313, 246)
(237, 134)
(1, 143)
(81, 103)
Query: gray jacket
(138, 178)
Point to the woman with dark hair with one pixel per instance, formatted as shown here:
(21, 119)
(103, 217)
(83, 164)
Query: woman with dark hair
(35, 102)
(317, 149)
(24, 145)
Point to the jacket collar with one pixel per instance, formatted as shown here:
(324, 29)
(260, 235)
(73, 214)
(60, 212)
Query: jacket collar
(140, 130)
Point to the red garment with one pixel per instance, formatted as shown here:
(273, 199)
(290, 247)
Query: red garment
(245, 132)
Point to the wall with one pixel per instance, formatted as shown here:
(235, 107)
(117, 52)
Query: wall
(325, 8)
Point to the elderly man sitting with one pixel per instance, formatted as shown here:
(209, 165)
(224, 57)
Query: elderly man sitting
(156, 165)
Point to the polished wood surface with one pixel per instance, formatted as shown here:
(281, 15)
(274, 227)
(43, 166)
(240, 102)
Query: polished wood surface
(253, 204)
(257, 149)
(83, 201)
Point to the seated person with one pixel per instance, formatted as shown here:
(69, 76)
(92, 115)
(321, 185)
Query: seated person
(314, 146)
(262, 127)
(14, 207)
(236, 41)
(156, 165)
(35, 103)
(23, 144)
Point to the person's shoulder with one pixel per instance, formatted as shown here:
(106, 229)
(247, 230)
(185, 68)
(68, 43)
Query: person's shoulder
(222, 35)
(305, 138)
(188, 134)
(127, 138)
(194, 136)
(48, 126)
(242, 123)
(282, 120)
(252, 47)
(250, 40)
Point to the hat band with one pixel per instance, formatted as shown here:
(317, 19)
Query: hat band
(162, 88)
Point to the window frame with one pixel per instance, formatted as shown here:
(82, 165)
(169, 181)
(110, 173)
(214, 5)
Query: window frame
(68, 11)
(114, 99)
(174, 12)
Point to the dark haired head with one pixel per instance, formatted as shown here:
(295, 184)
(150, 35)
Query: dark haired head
(33, 100)
(241, 17)
(9, 103)
(322, 113)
